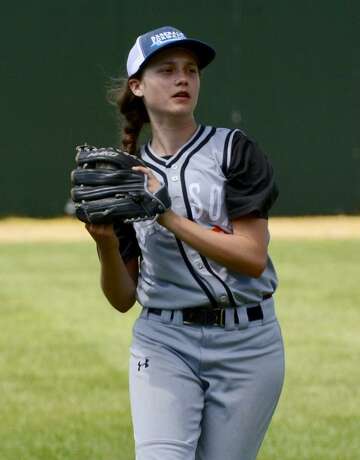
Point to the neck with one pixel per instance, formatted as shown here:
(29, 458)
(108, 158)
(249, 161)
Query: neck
(169, 135)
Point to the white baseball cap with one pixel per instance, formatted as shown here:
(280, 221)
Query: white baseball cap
(150, 43)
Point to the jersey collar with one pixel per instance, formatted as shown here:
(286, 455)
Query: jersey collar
(167, 163)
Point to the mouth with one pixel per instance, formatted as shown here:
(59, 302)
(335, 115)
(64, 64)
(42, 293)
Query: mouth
(182, 94)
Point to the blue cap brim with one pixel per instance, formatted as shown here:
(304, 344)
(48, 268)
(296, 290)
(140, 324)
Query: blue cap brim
(204, 53)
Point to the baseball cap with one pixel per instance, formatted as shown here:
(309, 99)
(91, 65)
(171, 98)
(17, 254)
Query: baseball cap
(150, 43)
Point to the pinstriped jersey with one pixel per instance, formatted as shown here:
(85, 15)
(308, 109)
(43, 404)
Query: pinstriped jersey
(212, 179)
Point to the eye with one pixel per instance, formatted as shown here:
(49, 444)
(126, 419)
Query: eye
(165, 70)
(193, 70)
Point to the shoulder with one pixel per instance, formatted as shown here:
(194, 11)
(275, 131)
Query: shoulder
(246, 154)
(220, 144)
(251, 186)
(232, 145)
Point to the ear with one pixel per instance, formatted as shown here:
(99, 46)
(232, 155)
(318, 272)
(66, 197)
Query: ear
(136, 87)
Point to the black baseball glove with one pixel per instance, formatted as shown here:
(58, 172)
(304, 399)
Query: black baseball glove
(105, 189)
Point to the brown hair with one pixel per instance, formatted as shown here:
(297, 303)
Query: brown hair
(131, 111)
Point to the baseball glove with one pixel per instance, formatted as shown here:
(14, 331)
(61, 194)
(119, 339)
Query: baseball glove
(105, 189)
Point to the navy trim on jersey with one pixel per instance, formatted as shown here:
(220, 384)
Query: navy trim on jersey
(186, 147)
(225, 152)
(153, 157)
(226, 287)
(196, 277)
(182, 173)
(162, 174)
(190, 215)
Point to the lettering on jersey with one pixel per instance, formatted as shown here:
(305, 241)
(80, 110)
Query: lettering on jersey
(196, 206)
(215, 202)
(214, 197)
(158, 39)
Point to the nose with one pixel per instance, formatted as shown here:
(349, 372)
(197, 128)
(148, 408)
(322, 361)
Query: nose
(181, 78)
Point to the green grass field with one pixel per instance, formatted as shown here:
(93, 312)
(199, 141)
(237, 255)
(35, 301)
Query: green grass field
(64, 352)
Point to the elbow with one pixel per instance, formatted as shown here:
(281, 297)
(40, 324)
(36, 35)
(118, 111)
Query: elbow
(258, 267)
(121, 301)
(254, 268)
(120, 296)
(257, 271)
(123, 306)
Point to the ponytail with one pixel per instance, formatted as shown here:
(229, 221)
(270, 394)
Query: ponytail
(132, 114)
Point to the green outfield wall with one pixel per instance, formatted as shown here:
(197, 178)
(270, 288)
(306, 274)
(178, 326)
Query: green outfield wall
(287, 72)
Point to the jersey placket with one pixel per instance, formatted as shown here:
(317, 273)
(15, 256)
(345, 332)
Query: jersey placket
(174, 187)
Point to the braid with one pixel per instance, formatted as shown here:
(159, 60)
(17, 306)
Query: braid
(132, 114)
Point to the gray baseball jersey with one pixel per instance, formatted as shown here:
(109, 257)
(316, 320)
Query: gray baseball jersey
(201, 392)
(218, 175)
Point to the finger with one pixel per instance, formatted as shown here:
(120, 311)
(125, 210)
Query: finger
(142, 169)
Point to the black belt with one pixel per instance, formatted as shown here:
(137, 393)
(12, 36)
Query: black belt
(214, 316)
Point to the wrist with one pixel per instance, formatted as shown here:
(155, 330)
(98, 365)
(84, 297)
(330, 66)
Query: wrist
(168, 219)
(108, 246)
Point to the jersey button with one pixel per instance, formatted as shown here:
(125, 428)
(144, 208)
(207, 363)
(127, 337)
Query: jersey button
(174, 166)
(175, 178)
(199, 265)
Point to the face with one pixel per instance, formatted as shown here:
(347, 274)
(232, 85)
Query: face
(169, 84)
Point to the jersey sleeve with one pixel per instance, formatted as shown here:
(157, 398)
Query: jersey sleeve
(250, 187)
(128, 245)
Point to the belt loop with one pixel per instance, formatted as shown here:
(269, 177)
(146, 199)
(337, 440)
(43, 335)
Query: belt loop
(268, 308)
(243, 318)
(178, 318)
(144, 313)
(166, 316)
(229, 319)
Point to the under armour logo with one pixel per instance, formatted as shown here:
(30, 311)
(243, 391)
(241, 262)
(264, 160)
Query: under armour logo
(145, 364)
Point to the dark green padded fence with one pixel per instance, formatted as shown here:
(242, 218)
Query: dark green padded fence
(287, 72)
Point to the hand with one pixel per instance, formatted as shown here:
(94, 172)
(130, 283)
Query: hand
(104, 235)
(153, 184)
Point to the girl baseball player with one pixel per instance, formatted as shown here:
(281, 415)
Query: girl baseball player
(207, 359)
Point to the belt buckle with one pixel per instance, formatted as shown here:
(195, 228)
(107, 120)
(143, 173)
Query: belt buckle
(222, 317)
(207, 317)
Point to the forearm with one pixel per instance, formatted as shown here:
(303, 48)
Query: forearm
(116, 283)
(238, 252)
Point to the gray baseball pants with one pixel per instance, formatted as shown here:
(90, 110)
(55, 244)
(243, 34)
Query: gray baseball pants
(204, 392)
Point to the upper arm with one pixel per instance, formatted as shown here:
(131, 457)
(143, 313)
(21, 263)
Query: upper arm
(250, 188)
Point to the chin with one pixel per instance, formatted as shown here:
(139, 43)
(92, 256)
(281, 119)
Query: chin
(176, 111)
(182, 110)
